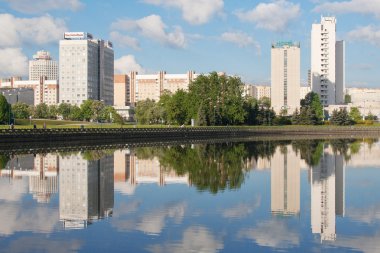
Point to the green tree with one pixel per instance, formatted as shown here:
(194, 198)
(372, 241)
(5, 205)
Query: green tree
(21, 111)
(347, 98)
(53, 111)
(177, 108)
(341, 118)
(144, 111)
(75, 113)
(5, 110)
(118, 119)
(252, 108)
(218, 98)
(64, 110)
(314, 108)
(265, 101)
(355, 114)
(97, 108)
(41, 111)
(87, 110)
(370, 116)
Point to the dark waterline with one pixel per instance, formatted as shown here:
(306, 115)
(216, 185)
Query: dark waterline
(258, 196)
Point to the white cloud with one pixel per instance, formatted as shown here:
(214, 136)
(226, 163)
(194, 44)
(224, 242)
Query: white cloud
(42, 6)
(195, 12)
(125, 40)
(195, 239)
(41, 244)
(353, 6)
(13, 62)
(273, 16)
(365, 244)
(242, 210)
(126, 64)
(125, 188)
(16, 32)
(40, 219)
(154, 222)
(271, 233)
(153, 28)
(369, 34)
(368, 215)
(11, 191)
(241, 39)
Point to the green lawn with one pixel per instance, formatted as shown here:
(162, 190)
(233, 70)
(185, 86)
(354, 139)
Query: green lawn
(26, 123)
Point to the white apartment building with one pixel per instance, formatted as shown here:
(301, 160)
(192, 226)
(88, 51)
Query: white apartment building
(285, 77)
(45, 91)
(43, 65)
(260, 91)
(86, 69)
(304, 90)
(131, 88)
(327, 62)
(248, 90)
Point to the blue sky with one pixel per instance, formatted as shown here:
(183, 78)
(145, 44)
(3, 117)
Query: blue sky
(233, 36)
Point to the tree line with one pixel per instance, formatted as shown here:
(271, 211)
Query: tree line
(90, 110)
(216, 100)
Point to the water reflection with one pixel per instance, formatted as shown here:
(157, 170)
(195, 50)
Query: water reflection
(86, 190)
(41, 170)
(201, 198)
(285, 181)
(327, 194)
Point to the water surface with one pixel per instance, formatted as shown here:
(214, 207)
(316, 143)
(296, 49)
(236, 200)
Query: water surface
(288, 196)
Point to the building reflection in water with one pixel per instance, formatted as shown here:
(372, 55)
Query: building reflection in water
(133, 170)
(327, 194)
(327, 188)
(86, 190)
(285, 181)
(41, 170)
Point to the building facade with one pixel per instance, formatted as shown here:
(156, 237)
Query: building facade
(304, 90)
(327, 62)
(285, 77)
(260, 91)
(44, 91)
(43, 65)
(131, 88)
(86, 69)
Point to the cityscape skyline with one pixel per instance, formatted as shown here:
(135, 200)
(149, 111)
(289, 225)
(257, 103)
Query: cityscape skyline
(166, 31)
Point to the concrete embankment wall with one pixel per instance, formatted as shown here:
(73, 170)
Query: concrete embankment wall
(50, 140)
(197, 133)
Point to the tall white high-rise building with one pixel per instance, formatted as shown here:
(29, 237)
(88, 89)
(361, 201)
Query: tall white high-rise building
(43, 65)
(285, 76)
(86, 69)
(327, 62)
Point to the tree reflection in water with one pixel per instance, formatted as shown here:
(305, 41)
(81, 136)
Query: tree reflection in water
(216, 167)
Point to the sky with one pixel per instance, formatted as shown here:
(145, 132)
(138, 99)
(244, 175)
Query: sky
(232, 36)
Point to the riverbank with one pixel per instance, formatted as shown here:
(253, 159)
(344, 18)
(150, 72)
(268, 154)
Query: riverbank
(110, 135)
(28, 140)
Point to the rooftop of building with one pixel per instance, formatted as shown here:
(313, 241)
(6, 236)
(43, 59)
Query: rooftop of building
(282, 44)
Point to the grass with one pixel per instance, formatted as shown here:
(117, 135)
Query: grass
(28, 124)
